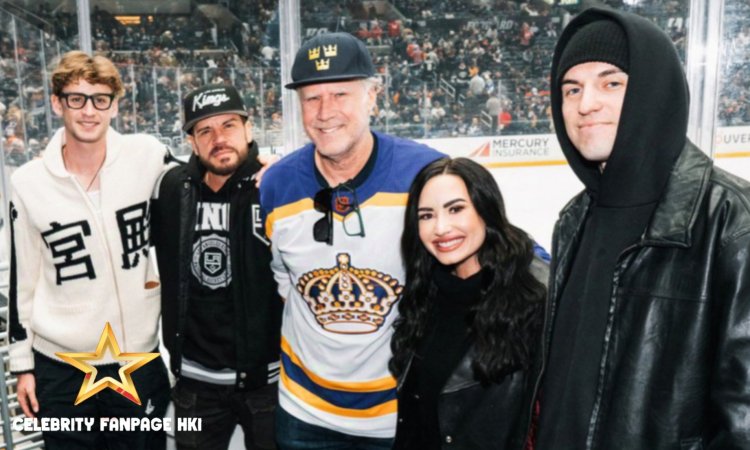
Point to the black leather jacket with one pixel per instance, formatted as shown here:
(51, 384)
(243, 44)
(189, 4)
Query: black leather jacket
(472, 416)
(675, 366)
(256, 302)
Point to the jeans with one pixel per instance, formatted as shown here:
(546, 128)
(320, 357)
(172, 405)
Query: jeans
(221, 409)
(294, 434)
(58, 383)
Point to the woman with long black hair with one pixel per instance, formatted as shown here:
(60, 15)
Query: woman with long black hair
(466, 342)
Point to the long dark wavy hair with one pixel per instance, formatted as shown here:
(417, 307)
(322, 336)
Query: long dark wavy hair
(506, 320)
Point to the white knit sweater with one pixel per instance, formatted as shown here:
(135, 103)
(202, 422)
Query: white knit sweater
(80, 265)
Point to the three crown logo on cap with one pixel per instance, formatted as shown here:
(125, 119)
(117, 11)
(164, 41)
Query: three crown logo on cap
(329, 51)
(348, 300)
(331, 57)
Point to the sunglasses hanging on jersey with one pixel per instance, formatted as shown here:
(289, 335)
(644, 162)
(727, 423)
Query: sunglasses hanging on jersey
(343, 200)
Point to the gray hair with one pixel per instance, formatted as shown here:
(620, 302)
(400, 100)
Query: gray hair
(374, 82)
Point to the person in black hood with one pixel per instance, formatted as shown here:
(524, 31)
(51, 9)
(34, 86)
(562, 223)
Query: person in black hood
(221, 316)
(647, 339)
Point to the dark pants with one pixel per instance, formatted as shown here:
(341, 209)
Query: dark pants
(294, 434)
(221, 409)
(58, 383)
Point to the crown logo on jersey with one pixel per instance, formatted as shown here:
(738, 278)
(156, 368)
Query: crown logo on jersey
(313, 53)
(322, 64)
(349, 300)
(330, 50)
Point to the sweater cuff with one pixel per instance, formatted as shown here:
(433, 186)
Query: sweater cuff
(21, 361)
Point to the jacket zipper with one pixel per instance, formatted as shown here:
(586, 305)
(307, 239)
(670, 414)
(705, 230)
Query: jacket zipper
(593, 423)
(183, 274)
(547, 340)
(102, 230)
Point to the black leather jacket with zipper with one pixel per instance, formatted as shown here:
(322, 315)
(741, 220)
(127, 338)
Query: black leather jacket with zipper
(675, 366)
(472, 416)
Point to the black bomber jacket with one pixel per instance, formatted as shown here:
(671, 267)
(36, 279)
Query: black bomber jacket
(675, 366)
(256, 302)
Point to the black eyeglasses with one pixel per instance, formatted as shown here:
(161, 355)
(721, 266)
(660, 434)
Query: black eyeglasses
(344, 201)
(75, 100)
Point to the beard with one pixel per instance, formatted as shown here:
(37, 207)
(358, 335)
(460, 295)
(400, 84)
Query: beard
(223, 169)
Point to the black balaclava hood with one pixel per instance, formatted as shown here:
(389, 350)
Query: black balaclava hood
(653, 121)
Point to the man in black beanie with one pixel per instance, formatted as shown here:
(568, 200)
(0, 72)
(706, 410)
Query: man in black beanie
(647, 337)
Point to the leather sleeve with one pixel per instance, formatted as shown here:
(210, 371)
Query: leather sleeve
(730, 390)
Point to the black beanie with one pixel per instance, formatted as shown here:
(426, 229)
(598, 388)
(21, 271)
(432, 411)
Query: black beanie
(599, 41)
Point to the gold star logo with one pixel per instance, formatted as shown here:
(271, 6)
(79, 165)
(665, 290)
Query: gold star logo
(124, 386)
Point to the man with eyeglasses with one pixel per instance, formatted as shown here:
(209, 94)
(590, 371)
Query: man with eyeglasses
(80, 260)
(341, 272)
